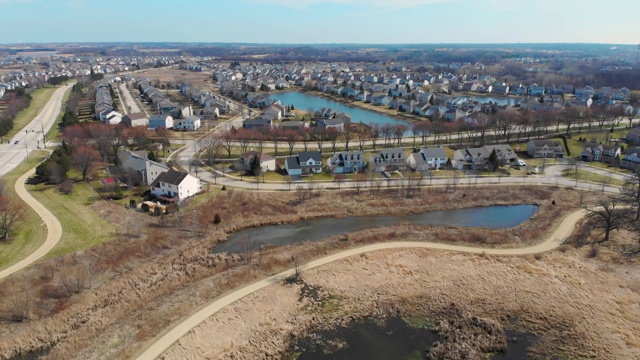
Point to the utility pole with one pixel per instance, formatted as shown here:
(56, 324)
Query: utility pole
(44, 136)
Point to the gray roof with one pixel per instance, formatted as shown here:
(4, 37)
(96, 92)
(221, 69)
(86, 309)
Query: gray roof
(549, 143)
(293, 162)
(172, 177)
(304, 156)
(341, 156)
(430, 153)
(136, 116)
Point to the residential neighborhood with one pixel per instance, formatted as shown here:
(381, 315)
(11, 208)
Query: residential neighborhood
(175, 182)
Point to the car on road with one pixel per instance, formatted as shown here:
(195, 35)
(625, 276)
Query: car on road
(16, 142)
(521, 163)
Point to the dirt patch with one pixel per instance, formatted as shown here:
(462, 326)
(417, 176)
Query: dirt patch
(561, 298)
(200, 80)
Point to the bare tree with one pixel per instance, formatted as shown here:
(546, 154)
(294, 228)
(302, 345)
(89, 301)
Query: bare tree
(630, 194)
(83, 158)
(227, 140)
(374, 134)
(347, 135)
(398, 133)
(291, 136)
(11, 213)
(333, 135)
(319, 135)
(608, 216)
(359, 181)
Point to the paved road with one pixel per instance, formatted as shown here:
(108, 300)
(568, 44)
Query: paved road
(54, 229)
(30, 138)
(125, 95)
(174, 334)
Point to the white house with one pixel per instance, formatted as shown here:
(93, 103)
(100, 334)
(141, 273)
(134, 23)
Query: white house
(175, 186)
(428, 158)
(306, 162)
(189, 123)
(112, 118)
(388, 160)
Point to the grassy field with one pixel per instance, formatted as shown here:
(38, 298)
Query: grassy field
(583, 175)
(30, 233)
(38, 99)
(81, 226)
(54, 134)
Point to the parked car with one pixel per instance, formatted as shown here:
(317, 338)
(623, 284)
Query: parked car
(521, 163)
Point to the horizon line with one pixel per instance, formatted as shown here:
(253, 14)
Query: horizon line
(311, 44)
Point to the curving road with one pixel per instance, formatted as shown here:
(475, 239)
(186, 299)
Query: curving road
(174, 334)
(54, 229)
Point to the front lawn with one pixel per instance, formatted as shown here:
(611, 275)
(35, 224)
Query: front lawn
(583, 175)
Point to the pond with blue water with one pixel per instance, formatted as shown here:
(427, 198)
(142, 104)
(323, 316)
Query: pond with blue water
(303, 102)
(495, 217)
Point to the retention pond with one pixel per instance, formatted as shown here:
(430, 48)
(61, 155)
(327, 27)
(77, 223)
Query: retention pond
(495, 217)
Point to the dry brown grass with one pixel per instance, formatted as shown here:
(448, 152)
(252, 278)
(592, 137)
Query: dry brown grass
(577, 310)
(141, 284)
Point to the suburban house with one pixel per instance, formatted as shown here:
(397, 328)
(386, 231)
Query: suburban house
(267, 162)
(601, 153)
(293, 125)
(274, 112)
(190, 123)
(545, 148)
(136, 119)
(140, 169)
(111, 117)
(347, 162)
(388, 160)
(258, 124)
(306, 162)
(633, 136)
(631, 159)
(210, 113)
(158, 121)
(427, 158)
(175, 186)
(477, 158)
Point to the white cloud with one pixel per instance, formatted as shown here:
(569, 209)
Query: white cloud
(392, 4)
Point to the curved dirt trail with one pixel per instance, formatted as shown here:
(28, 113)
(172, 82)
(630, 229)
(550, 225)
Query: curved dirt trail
(174, 334)
(54, 229)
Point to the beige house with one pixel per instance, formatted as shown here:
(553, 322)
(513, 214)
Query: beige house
(545, 148)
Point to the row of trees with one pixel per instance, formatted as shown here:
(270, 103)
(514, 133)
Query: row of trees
(108, 139)
(70, 116)
(20, 99)
(505, 125)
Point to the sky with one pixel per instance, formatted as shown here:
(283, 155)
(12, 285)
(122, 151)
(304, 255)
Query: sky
(321, 21)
